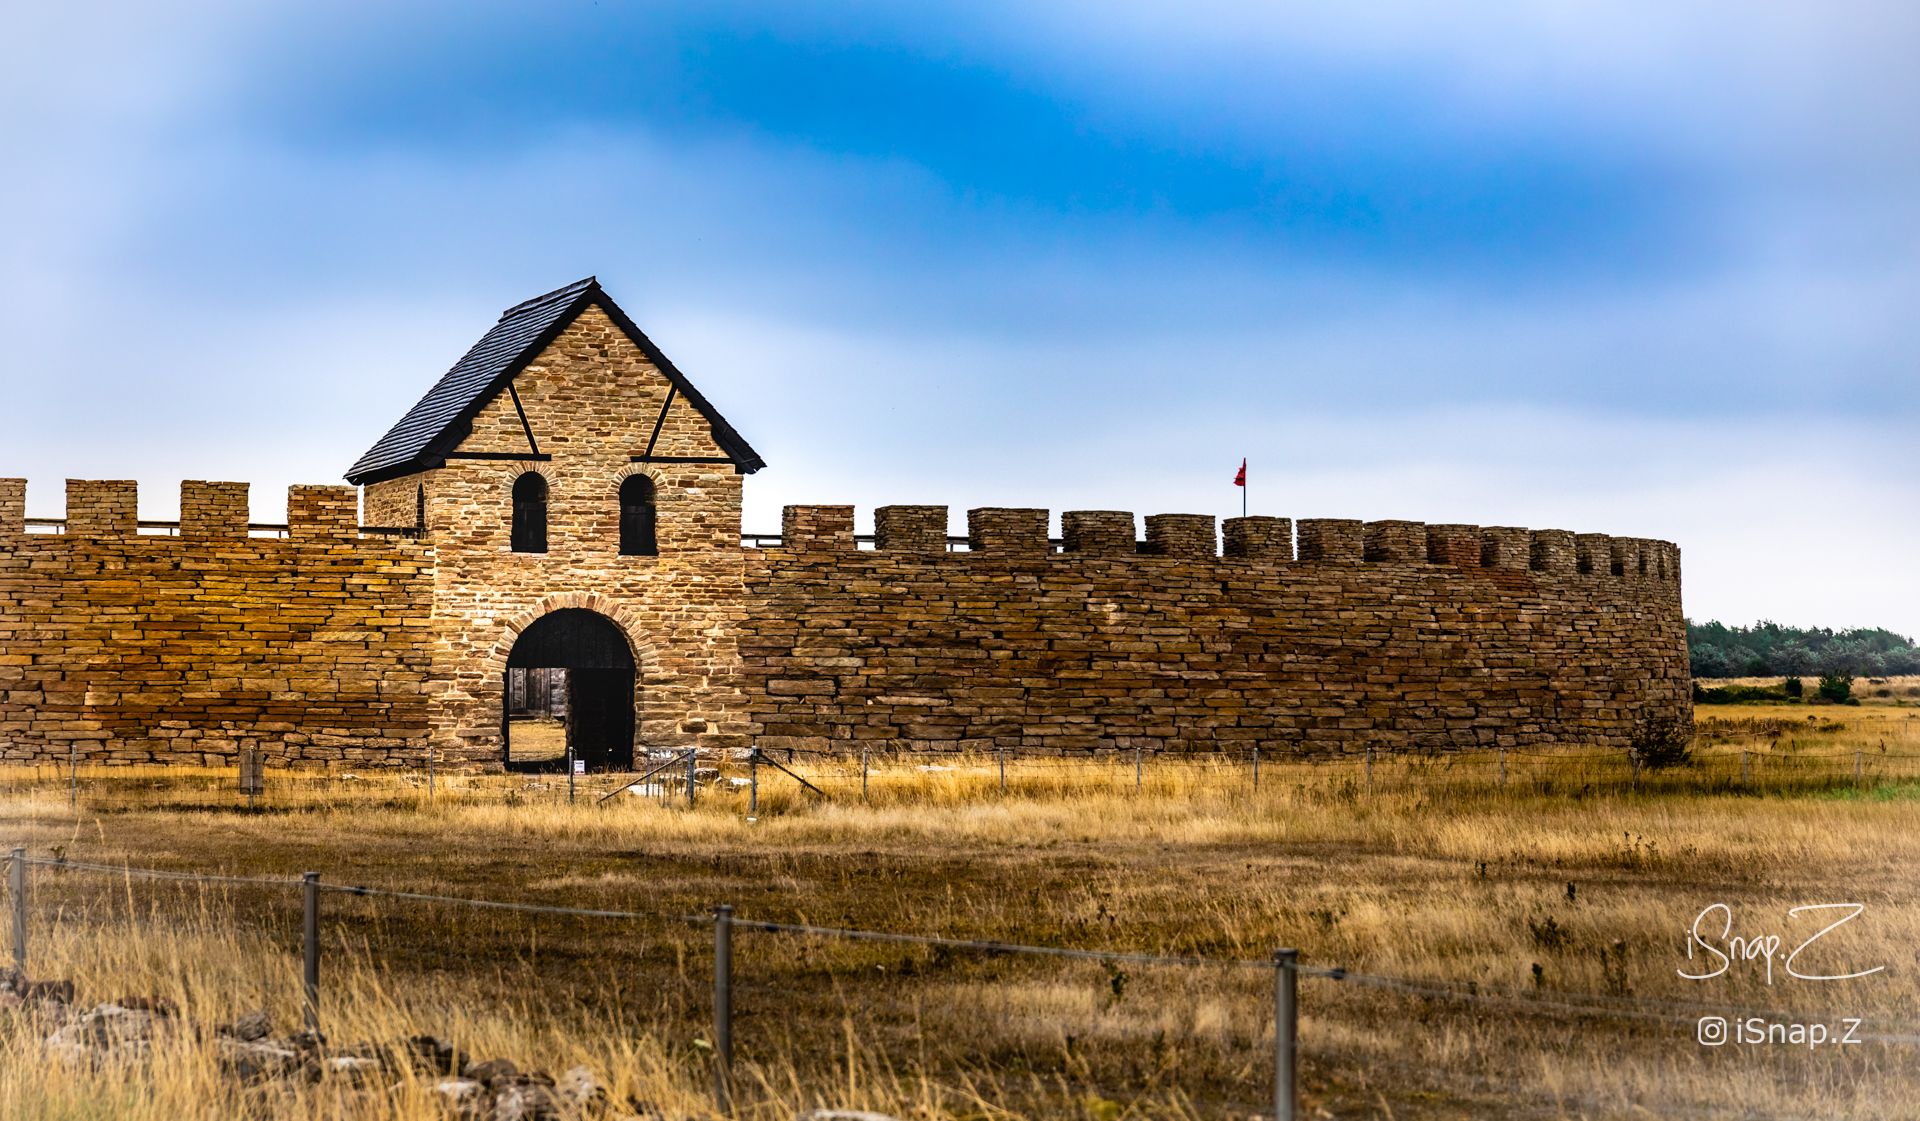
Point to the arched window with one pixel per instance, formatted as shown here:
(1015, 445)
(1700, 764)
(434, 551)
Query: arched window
(530, 514)
(637, 518)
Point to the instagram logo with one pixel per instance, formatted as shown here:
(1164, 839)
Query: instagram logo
(1711, 1031)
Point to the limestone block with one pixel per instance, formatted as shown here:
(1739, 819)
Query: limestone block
(1505, 547)
(914, 529)
(102, 507)
(1553, 551)
(1332, 540)
(322, 513)
(13, 506)
(1396, 542)
(1098, 532)
(816, 527)
(1593, 553)
(1626, 556)
(1005, 529)
(1182, 535)
(213, 509)
(1259, 537)
(1457, 545)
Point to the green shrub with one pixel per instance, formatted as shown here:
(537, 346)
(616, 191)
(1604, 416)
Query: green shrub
(1793, 687)
(1836, 688)
(1740, 695)
(1660, 742)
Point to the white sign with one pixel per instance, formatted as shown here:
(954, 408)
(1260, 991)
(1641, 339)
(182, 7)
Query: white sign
(579, 766)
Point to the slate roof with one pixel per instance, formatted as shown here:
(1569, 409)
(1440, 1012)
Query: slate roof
(444, 417)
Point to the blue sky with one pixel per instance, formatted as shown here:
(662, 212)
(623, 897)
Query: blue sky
(1640, 268)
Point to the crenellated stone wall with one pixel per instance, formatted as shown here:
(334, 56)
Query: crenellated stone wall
(132, 647)
(1391, 635)
(327, 646)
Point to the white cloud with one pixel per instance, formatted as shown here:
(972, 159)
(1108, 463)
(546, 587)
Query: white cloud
(1757, 411)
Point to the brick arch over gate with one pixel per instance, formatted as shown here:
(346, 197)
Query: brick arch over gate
(495, 661)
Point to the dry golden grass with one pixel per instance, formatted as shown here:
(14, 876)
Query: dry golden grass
(536, 739)
(1434, 872)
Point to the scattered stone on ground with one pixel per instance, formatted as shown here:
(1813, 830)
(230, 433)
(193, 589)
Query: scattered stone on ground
(126, 1030)
(249, 1026)
(106, 1033)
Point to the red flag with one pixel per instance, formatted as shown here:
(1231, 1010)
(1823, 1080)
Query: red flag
(1240, 479)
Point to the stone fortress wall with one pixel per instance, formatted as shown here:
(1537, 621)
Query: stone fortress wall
(1389, 635)
(129, 647)
(328, 646)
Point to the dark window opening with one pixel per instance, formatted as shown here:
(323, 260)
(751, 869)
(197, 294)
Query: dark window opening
(637, 520)
(530, 513)
(420, 507)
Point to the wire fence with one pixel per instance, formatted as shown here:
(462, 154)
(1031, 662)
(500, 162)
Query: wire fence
(1734, 760)
(1284, 966)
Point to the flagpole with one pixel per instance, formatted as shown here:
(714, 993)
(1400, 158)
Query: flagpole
(1243, 492)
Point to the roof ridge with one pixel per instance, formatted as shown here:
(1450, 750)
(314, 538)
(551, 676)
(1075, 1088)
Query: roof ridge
(444, 415)
(565, 291)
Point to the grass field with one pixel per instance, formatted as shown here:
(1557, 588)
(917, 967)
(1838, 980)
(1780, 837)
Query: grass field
(1547, 916)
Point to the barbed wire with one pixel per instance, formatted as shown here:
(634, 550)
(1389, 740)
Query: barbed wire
(1575, 1003)
(990, 947)
(162, 874)
(359, 890)
(508, 905)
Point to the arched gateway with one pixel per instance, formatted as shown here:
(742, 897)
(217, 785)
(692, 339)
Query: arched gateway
(599, 685)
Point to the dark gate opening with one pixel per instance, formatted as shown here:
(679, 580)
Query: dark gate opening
(597, 725)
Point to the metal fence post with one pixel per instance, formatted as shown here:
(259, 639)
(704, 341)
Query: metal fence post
(753, 782)
(17, 887)
(723, 1007)
(1136, 766)
(1503, 766)
(1286, 1028)
(310, 948)
(569, 772)
(1256, 766)
(1369, 766)
(863, 772)
(693, 765)
(1003, 768)
(429, 774)
(73, 774)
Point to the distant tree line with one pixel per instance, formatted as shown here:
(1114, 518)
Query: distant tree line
(1771, 650)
